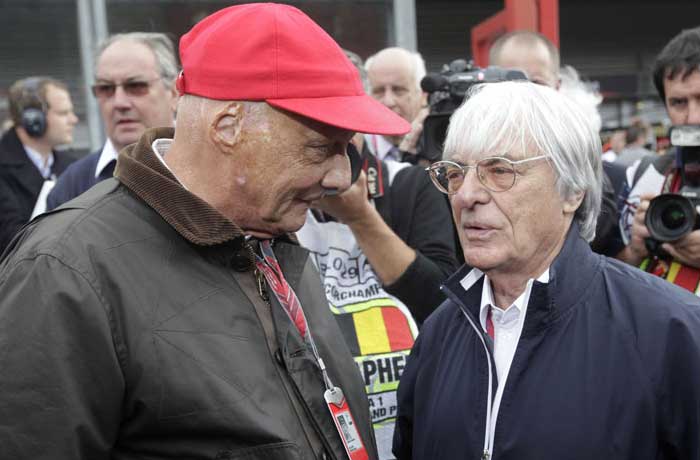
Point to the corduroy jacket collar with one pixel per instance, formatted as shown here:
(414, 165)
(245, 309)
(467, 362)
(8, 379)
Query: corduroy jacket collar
(146, 176)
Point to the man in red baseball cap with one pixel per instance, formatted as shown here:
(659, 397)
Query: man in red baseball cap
(167, 312)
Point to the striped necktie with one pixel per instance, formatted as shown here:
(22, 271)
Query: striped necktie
(489, 324)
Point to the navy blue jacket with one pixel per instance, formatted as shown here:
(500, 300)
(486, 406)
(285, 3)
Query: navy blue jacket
(78, 178)
(607, 367)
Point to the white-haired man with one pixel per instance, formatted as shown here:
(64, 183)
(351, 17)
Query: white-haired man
(545, 349)
(394, 79)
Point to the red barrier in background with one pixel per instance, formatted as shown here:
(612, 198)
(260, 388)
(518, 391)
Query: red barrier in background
(537, 15)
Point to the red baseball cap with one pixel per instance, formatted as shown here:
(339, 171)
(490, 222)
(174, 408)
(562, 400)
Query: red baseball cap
(275, 53)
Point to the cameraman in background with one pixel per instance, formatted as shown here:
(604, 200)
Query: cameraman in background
(394, 79)
(677, 79)
(534, 54)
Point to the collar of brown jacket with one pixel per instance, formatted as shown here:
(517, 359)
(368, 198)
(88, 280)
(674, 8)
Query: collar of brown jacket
(146, 176)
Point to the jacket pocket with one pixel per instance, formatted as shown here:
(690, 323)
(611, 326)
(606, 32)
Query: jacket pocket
(276, 451)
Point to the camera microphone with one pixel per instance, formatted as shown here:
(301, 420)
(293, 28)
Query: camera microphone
(434, 82)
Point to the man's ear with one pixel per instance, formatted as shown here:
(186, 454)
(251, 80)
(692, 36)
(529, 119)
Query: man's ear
(225, 128)
(174, 99)
(572, 203)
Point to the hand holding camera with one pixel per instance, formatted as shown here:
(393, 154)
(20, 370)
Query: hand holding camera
(670, 219)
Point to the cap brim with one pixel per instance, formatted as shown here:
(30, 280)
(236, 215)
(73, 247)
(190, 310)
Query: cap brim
(355, 113)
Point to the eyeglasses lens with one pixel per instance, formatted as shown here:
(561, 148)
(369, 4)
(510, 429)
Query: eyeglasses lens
(496, 174)
(448, 177)
(132, 88)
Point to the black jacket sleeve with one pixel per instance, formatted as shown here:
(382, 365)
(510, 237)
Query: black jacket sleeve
(12, 215)
(419, 214)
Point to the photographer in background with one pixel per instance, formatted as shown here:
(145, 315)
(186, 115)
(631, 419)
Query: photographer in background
(394, 79)
(534, 54)
(677, 79)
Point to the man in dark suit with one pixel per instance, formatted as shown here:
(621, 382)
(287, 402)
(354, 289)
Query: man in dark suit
(43, 118)
(134, 87)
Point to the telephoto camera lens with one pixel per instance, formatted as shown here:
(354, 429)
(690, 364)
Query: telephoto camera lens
(670, 217)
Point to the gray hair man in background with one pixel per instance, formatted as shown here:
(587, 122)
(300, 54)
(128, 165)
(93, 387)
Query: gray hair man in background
(394, 79)
(135, 89)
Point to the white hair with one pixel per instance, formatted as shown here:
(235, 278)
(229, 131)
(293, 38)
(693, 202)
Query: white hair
(501, 118)
(587, 97)
(416, 60)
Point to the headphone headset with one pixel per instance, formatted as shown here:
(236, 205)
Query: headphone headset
(34, 116)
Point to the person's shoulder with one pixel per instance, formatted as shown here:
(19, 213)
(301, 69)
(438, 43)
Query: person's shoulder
(408, 170)
(411, 177)
(445, 316)
(66, 233)
(82, 165)
(63, 159)
(615, 171)
(646, 296)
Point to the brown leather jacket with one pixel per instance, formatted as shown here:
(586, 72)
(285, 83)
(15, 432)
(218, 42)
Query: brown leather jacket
(131, 326)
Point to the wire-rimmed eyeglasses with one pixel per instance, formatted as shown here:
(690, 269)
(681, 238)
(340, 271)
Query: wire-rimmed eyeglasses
(495, 173)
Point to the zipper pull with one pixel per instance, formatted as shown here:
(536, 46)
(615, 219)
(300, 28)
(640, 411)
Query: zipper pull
(486, 455)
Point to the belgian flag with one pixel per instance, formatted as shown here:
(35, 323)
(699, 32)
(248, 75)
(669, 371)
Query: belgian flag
(375, 330)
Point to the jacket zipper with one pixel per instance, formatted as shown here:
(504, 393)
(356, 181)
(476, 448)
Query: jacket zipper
(488, 440)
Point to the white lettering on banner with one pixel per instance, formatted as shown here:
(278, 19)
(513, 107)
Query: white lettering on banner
(382, 406)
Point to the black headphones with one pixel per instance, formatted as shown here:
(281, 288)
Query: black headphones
(34, 116)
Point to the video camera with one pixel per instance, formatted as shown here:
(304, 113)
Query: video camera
(673, 215)
(446, 92)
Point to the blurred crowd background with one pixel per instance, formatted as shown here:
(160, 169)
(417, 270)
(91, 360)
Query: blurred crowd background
(611, 44)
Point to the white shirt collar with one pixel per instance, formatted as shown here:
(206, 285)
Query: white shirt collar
(108, 154)
(160, 147)
(512, 314)
(38, 160)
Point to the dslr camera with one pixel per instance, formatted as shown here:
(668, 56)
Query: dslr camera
(673, 215)
(446, 92)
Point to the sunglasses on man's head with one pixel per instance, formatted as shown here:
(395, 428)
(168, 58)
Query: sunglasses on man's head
(131, 88)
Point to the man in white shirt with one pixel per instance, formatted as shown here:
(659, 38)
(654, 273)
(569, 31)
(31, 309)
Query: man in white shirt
(135, 90)
(394, 78)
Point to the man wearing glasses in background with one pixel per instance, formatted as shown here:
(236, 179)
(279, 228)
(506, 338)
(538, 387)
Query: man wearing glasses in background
(134, 87)
(545, 350)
